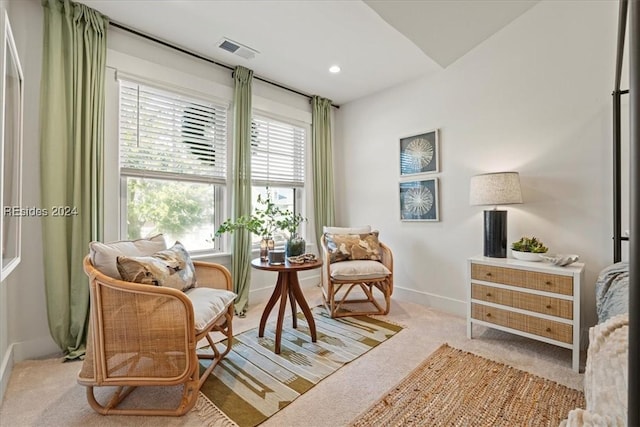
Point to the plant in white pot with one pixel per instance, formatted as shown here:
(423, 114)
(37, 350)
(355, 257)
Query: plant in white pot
(528, 249)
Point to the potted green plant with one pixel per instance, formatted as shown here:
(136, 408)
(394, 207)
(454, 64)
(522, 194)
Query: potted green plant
(290, 222)
(262, 222)
(528, 249)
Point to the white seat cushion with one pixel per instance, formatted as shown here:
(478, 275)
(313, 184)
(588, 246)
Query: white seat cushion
(358, 270)
(208, 303)
(347, 230)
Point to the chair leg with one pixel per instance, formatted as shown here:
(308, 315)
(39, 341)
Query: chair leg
(217, 355)
(187, 402)
(337, 306)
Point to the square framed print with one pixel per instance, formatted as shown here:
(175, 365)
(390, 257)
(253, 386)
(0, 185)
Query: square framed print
(420, 153)
(419, 200)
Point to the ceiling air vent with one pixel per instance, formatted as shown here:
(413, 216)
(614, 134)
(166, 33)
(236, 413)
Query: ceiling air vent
(237, 48)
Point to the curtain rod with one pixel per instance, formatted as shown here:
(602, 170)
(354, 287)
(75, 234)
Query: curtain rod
(203, 58)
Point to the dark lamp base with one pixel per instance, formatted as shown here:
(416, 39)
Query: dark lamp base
(495, 234)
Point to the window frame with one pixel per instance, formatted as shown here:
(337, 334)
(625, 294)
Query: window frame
(220, 185)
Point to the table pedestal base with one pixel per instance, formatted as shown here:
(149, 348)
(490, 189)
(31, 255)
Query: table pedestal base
(287, 287)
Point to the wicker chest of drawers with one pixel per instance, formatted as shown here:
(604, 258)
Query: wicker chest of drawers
(533, 299)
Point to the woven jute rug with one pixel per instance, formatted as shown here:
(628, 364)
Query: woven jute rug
(252, 382)
(455, 388)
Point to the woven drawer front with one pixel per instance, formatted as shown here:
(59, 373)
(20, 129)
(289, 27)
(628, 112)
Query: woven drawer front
(538, 303)
(533, 325)
(525, 279)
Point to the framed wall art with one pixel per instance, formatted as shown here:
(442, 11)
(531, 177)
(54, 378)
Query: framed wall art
(11, 147)
(419, 200)
(419, 153)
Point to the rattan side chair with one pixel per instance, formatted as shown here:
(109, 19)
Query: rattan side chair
(368, 278)
(144, 335)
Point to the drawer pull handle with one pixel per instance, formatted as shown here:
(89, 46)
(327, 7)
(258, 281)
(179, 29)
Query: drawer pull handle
(488, 314)
(488, 294)
(548, 329)
(548, 283)
(488, 274)
(549, 307)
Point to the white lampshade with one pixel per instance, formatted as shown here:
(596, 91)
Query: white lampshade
(499, 188)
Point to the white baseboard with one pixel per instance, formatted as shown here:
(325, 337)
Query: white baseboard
(449, 305)
(5, 371)
(19, 351)
(35, 349)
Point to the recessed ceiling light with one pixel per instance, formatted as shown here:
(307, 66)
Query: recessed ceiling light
(334, 69)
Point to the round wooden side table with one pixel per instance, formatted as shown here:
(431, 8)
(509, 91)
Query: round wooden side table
(287, 286)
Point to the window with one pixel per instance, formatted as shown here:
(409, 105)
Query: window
(278, 163)
(173, 164)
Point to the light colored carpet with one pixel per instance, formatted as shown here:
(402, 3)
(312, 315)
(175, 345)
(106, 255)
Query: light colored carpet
(45, 392)
(457, 388)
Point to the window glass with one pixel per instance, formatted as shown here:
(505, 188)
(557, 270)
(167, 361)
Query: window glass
(277, 165)
(172, 165)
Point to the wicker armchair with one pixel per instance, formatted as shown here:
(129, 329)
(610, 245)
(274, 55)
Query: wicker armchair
(367, 277)
(143, 335)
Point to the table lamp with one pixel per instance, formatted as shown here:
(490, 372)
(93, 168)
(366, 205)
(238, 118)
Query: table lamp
(499, 188)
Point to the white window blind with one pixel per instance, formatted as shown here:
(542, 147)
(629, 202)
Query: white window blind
(277, 153)
(168, 135)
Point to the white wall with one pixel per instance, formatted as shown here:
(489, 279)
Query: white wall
(533, 98)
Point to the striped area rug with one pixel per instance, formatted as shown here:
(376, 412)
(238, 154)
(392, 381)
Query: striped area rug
(252, 382)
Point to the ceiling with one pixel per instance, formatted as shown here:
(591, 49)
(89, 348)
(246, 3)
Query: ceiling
(377, 43)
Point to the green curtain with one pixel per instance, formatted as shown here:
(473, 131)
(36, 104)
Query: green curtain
(321, 146)
(71, 145)
(241, 252)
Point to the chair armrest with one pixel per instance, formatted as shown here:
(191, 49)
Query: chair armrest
(325, 271)
(387, 256)
(212, 275)
(387, 260)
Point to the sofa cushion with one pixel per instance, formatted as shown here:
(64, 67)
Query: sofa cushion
(358, 270)
(103, 255)
(343, 247)
(171, 267)
(208, 303)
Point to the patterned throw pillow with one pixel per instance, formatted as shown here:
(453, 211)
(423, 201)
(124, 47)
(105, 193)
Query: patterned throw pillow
(344, 247)
(171, 267)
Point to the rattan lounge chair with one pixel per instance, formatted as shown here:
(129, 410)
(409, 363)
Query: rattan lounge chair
(349, 286)
(144, 335)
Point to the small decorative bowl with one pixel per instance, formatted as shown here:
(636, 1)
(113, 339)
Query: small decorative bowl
(560, 259)
(526, 256)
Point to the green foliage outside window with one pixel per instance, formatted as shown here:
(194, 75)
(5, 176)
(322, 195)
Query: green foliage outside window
(168, 207)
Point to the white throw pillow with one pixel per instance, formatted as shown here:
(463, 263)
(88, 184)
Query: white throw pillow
(347, 230)
(103, 255)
